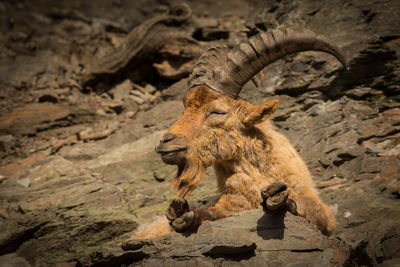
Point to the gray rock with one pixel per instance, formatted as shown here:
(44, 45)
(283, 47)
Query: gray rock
(24, 182)
(13, 260)
(345, 124)
(249, 237)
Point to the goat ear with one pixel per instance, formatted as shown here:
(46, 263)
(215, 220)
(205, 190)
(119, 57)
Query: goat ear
(260, 113)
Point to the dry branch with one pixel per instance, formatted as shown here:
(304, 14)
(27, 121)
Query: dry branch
(149, 38)
(86, 136)
(69, 140)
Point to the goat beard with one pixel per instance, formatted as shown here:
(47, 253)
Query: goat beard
(192, 170)
(190, 175)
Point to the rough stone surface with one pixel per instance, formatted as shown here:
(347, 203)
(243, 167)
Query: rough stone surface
(82, 204)
(248, 238)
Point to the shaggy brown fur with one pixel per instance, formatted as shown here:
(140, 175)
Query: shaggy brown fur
(247, 153)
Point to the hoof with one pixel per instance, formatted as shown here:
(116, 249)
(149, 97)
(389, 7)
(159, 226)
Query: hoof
(184, 222)
(179, 215)
(275, 198)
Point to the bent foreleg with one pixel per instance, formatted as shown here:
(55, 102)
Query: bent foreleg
(311, 207)
(184, 217)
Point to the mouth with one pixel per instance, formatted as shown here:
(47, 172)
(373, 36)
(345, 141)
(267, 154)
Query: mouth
(169, 149)
(173, 155)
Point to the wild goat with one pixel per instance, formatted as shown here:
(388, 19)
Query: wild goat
(254, 164)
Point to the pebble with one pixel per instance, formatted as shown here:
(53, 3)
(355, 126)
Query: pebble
(347, 214)
(130, 114)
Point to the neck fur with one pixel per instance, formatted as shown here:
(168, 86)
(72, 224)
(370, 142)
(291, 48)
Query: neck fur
(254, 158)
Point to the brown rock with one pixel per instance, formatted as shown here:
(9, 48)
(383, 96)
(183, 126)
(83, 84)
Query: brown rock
(13, 260)
(121, 90)
(67, 264)
(392, 115)
(9, 169)
(32, 115)
(22, 165)
(361, 93)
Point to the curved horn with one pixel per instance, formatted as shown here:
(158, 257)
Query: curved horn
(227, 70)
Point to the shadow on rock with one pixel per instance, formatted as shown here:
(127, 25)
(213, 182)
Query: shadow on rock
(271, 226)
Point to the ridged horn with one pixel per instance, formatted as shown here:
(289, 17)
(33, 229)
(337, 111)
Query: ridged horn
(227, 70)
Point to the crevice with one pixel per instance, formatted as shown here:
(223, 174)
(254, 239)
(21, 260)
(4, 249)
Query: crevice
(343, 158)
(307, 250)
(17, 239)
(293, 91)
(389, 38)
(210, 34)
(124, 259)
(396, 194)
(354, 224)
(369, 16)
(281, 118)
(359, 256)
(294, 250)
(370, 68)
(392, 132)
(334, 133)
(234, 253)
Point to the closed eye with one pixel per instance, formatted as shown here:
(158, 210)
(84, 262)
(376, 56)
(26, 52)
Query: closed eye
(218, 112)
(216, 118)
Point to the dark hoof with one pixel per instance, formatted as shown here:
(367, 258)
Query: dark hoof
(184, 222)
(179, 215)
(275, 198)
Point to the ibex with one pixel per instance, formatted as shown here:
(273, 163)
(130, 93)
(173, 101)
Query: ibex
(253, 163)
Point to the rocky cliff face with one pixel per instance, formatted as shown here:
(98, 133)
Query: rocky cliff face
(79, 176)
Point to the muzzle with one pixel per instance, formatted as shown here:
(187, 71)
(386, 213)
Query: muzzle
(172, 148)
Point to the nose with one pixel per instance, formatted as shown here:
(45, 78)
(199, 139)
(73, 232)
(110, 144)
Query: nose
(167, 137)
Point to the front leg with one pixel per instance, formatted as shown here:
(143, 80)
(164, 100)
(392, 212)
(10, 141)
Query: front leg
(184, 217)
(187, 218)
(305, 203)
